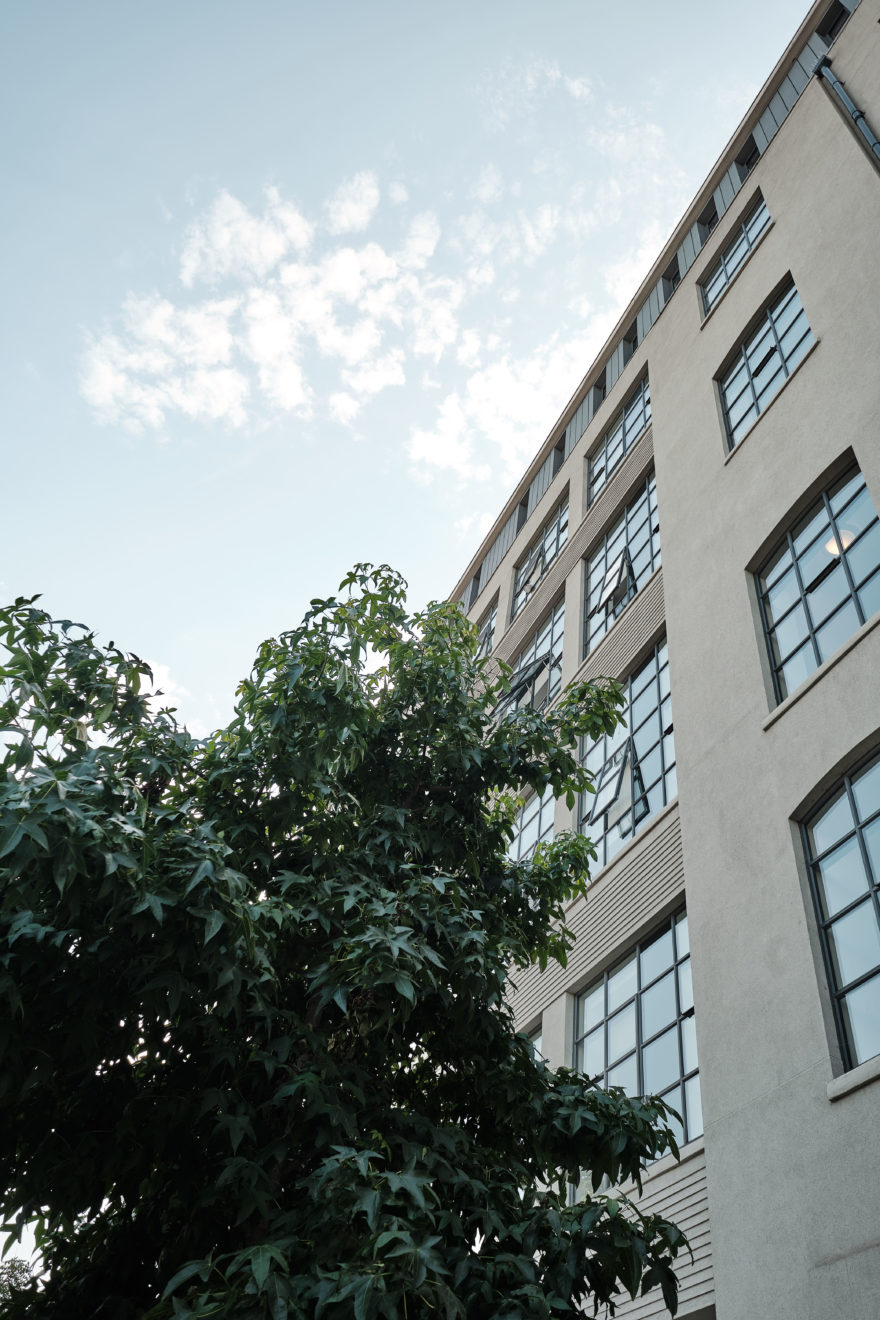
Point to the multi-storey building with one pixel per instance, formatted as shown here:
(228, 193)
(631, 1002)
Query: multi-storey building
(701, 524)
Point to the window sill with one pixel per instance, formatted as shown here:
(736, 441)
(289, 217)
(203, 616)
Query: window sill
(818, 674)
(855, 1079)
(778, 395)
(707, 316)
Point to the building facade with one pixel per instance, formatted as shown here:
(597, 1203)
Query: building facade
(701, 523)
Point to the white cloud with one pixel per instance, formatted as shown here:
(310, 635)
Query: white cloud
(489, 186)
(353, 205)
(398, 193)
(231, 241)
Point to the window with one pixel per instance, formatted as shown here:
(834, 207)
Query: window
(733, 256)
(539, 558)
(537, 674)
(622, 561)
(763, 363)
(821, 582)
(634, 767)
(624, 431)
(842, 841)
(486, 633)
(635, 1026)
(533, 825)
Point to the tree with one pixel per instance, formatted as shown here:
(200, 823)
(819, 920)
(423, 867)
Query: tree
(14, 1273)
(255, 1057)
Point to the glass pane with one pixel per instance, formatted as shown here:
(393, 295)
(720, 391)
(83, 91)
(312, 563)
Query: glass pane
(856, 518)
(864, 556)
(685, 986)
(837, 630)
(782, 596)
(593, 1053)
(660, 1062)
(844, 489)
(789, 634)
(866, 790)
(871, 835)
(835, 821)
(828, 595)
(778, 565)
(658, 1006)
(808, 528)
(592, 1009)
(682, 941)
(694, 1106)
(625, 1075)
(797, 668)
(841, 877)
(622, 983)
(869, 596)
(622, 1032)
(861, 1015)
(815, 560)
(673, 1098)
(656, 957)
(689, 1044)
(855, 943)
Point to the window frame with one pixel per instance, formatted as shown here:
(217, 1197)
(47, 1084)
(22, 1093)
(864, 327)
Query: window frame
(839, 993)
(621, 757)
(784, 545)
(735, 237)
(543, 551)
(637, 406)
(632, 519)
(741, 358)
(523, 681)
(674, 924)
(486, 631)
(539, 803)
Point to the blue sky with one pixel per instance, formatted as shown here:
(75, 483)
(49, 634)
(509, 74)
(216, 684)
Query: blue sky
(289, 286)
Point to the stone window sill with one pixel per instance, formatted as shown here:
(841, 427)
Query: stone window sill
(855, 1079)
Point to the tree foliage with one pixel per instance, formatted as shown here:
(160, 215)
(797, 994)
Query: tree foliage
(15, 1273)
(255, 1057)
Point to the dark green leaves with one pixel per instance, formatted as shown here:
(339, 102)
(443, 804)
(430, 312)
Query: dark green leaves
(255, 1059)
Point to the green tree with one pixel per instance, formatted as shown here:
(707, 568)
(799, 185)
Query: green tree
(14, 1273)
(255, 1058)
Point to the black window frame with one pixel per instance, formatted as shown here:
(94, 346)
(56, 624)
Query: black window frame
(540, 656)
(620, 766)
(537, 806)
(861, 823)
(605, 605)
(736, 251)
(770, 577)
(759, 348)
(681, 956)
(542, 553)
(486, 631)
(627, 428)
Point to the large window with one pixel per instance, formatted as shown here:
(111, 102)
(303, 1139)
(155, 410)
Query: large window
(733, 256)
(533, 825)
(539, 558)
(764, 362)
(537, 674)
(635, 1026)
(486, 632)
(821, 582)
(627, 427)
(842, 839)
(634, 767)
(627, 555)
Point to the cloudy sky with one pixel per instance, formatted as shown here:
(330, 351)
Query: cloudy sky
(290, 285)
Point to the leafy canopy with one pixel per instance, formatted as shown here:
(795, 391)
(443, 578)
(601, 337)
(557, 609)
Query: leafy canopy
(255, 1056)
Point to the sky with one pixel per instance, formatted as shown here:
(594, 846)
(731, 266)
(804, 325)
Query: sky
(290, 286)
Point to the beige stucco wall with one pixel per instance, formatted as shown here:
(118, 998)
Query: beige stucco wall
(788, 1186)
